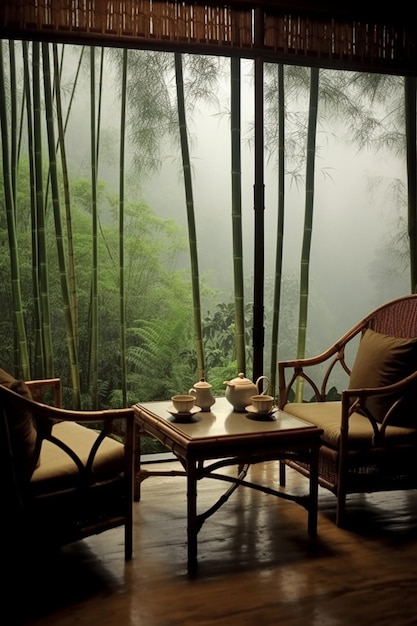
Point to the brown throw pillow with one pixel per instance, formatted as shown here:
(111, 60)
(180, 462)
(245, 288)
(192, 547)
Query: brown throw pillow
(382, 360)
(6, 379)
(22, 430)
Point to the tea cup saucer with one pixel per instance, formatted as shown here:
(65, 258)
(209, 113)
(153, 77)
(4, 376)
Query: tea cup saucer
(255, 414)
(183, 415)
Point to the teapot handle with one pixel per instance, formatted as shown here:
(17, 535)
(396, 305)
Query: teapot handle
(192, 390)
(263, 392)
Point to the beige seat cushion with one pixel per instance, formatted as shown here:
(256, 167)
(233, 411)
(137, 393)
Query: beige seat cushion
(327, 415)
(57, 469)
(384, 360)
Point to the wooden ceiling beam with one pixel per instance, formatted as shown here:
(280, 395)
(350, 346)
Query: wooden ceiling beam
(351, 35)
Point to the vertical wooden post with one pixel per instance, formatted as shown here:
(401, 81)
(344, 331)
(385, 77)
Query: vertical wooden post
(258, 330)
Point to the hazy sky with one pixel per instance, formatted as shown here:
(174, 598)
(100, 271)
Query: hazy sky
(350, 218)
(349, 226)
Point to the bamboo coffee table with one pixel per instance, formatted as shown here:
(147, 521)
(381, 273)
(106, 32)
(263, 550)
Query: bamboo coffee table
(222, 438)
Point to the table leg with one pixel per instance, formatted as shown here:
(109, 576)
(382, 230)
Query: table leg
(192, 527)
(136, 463)
(314, 489)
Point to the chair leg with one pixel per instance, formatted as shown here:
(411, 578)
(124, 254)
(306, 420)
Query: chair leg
(129, 519)
(129, 525)
(282, 473)
(128, 540)
(136, 493)
(341, 508)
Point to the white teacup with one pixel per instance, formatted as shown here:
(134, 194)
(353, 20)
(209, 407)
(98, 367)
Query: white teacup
(262, 403)
(183, 403)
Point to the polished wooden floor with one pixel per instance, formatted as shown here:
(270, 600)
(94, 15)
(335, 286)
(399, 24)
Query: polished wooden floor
(257, 564)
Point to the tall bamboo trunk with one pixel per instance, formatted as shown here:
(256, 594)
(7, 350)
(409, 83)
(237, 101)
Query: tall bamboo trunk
(62, 126)
(71, 342)
(13, 120)
(123, 359)
(192, 237)
(94, 269)
(11, 228)
(235, 125)
(308, 220)
(38, 349)
(258, 337)
(67, 197)
(13, 158)
(280, 228)
(100, 100)
(40, 220)
(410, 83)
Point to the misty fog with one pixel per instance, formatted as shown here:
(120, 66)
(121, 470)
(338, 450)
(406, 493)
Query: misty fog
(353, 264)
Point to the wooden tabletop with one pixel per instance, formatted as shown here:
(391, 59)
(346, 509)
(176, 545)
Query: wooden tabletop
(222, 428)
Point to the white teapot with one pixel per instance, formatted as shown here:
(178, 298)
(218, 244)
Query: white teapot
(203, 396)
(240, 390)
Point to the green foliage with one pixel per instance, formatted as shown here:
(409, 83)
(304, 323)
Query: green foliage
(218, 375)
(333, 395)
(155, 292)
(149, 445)
(219, 335)
(159, 312)
(161, 357)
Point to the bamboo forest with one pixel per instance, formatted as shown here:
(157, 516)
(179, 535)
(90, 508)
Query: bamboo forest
(126, 219)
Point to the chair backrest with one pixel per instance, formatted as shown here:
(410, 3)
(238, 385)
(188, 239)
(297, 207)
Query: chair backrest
(75, 480)
(397, 318)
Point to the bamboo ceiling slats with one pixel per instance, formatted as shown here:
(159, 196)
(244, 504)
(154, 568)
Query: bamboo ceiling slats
(292, 32)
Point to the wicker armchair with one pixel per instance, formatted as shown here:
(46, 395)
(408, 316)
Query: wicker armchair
(62, 481)
(369, 440)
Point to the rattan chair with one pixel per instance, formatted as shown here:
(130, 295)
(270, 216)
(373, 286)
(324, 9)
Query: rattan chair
(65, 475)
(369, 440)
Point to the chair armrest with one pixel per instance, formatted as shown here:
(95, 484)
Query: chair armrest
(56, 413)
(81, 416)
(355, 401)
(103, 425)
(297, 369)
(332, 356)
(47, 390)
(46, 416)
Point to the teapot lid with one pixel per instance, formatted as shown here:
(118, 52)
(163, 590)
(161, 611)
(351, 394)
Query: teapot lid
(241, 381)
(202, 384)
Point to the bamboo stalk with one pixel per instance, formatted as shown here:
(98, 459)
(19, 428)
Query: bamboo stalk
(192, 236)
(11, 228)
(308, 221)
(71, 340)
(235, 122)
